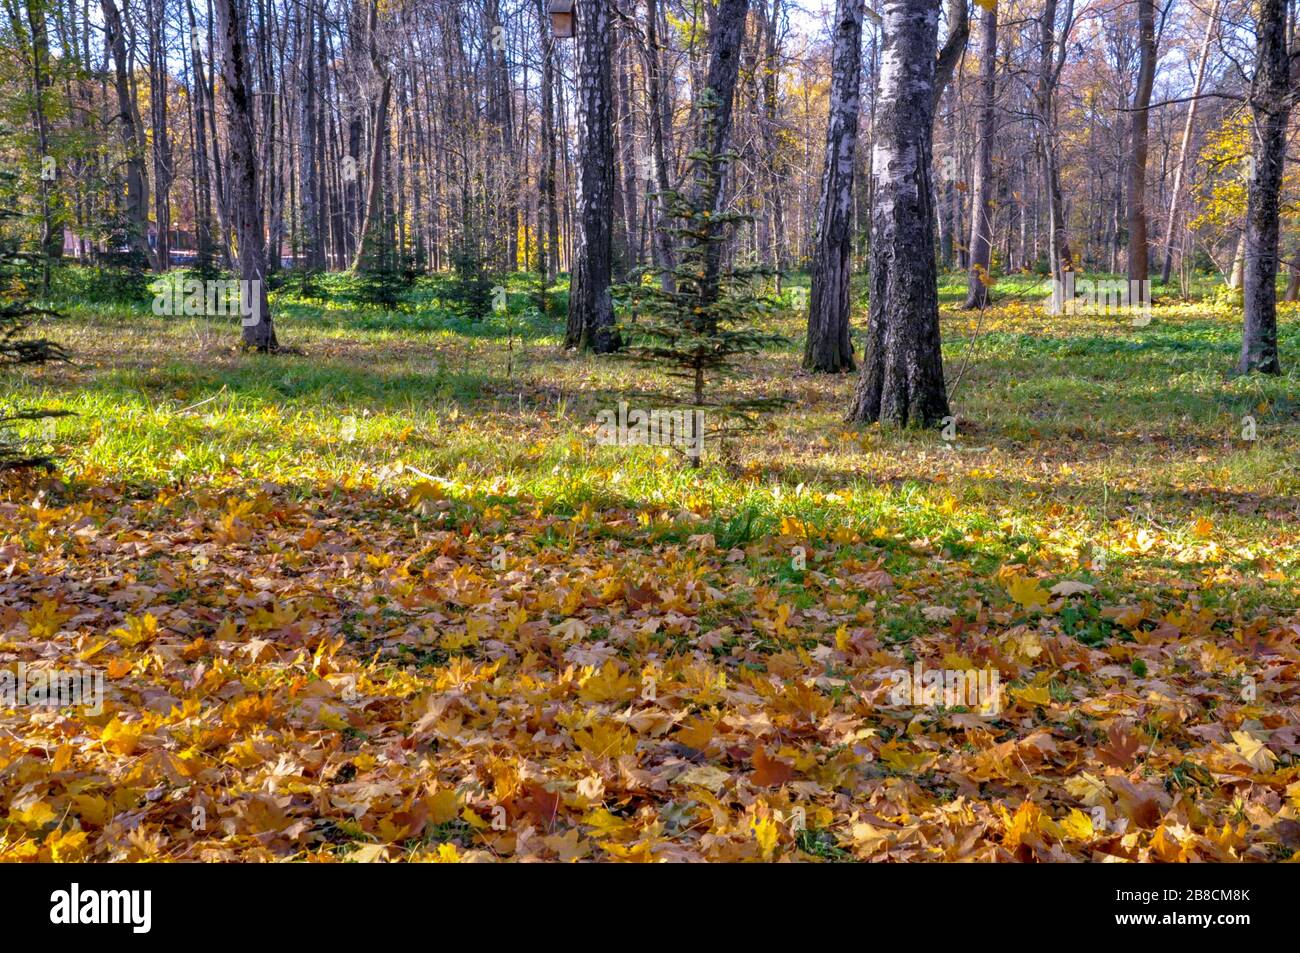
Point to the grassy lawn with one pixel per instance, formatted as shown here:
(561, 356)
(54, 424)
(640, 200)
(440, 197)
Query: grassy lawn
(386, 598)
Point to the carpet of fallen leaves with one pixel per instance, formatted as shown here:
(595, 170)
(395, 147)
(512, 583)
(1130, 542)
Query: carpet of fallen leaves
(387, 672)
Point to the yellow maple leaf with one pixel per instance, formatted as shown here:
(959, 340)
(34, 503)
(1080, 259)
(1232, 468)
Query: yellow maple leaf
(1026, 592)
(120, 737)
(766, 833)
(67, 846)
(135, 630)
(1088, 788)
(442, 806)
(34, 815)
(605, 740)
(1033, 695)
(606, 685)
(447, 854)
(1077, 825)
(1251, 750)
(1024, 823)
(44, 621)
(91, 808)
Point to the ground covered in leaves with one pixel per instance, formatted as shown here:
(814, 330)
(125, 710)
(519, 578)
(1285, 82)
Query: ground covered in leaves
(387, 599)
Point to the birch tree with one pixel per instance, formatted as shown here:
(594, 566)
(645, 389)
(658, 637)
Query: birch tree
(1270, 107)
(902, 371)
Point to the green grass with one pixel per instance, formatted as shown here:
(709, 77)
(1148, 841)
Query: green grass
(1072, 430)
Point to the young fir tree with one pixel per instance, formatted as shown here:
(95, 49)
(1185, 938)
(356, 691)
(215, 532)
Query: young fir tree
(470, 293)
(698, 322)
(17, 311)
(382, 277)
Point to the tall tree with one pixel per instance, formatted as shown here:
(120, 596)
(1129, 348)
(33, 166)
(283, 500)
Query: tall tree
(828, 348)
(128, 121)
(1139, 255)
(370, 235)
(953, 47)
(725, 36)
(591, 306)
(250, 236)
(1052, 52)
(313, 247)
(1180, 169)
(902, 371)
(548, 228)
(981, 219)
(162, 148)
(1270, 107)
(715, 121)
(659, 119)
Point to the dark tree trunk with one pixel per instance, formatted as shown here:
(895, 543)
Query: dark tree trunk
(775, 177)
(1139, 256)
(725, 36)
(548, 226)
(658, 117)
(627, 156)
(902, 370)
(828, 348)
(1270, 106)
(1051, 59)
(162, 149)
(137, 188)
(371, 232)
(242, 167)
(953, 47)
(202, 177)
(981, 225)
(313, 248)
(1293, 273)
(1184, 148)
(591, 306)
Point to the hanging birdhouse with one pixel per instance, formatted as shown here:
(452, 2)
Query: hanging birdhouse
(562, 18)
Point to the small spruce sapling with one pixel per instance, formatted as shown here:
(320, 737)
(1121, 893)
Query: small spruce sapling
(698, 323)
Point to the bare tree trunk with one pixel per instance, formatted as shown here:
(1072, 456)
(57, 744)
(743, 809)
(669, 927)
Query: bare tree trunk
(591, 305)
(981, 227)
(725, 36)
(313, 248)
(658, 117)
(829, 349)
(953, 47)
(162, 149)
(259, 331)
(137, 186)
(902, 371)
(1237, 269)
(548, 226)
(627, 156)
(40, 54)
(1184, 147)
(202, 176)
(1293, 272)
(1051, 60)
(1270, 106)
(1139, 255)
(776, 178)
(374, 185)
